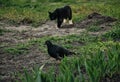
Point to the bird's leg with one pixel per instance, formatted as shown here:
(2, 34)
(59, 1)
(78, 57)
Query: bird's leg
(58, 61)
(58, 58)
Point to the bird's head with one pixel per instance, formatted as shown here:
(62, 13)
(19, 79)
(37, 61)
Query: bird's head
(48, 43)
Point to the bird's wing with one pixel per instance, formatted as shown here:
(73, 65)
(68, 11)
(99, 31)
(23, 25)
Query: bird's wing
(58, 57)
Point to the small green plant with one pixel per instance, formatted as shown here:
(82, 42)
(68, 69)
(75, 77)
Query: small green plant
(103, 63)
(2, 31)
(113, 63)
(5, 2)
(94, 28)
(113, 34)
(96, 67)
(17, 50)
(65, 74)
(35, 76)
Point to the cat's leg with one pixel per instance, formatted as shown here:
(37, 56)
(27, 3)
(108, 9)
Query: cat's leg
(65, 21)
(59, 22)
(70, 21)
(70, 16)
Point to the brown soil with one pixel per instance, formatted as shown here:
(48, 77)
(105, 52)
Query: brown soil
(21, 34)
(114, 78)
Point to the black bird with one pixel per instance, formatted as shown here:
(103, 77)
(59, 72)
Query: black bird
(56, 51)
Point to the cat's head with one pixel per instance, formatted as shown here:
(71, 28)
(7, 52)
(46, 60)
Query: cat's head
(52, 16)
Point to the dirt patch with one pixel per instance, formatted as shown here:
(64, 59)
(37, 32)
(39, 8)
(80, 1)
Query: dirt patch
(25, 21)
(10, 64)
(23, 33)
(114, 78)
(96, 19)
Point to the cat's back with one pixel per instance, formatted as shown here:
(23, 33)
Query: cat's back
(63, 9)
(67, 7)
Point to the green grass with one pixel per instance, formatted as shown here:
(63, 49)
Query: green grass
(113, 34)
(94, 28)
(68, 42)
(38, 12)
(97, 65)
(18, 49)
(97, 57)
(3, 31)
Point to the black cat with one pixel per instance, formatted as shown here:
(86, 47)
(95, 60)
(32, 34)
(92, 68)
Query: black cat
(61, 14)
